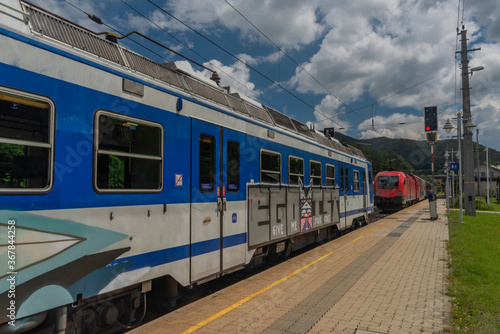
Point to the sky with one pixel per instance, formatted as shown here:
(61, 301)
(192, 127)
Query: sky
(368, 68)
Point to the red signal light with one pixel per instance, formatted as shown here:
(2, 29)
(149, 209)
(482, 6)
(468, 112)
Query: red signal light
(427, 128)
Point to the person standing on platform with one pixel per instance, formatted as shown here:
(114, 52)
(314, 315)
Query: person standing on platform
(431, 196)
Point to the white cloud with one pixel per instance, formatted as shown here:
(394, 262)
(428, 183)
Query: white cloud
(398, 52)
(486, 13)
(392, 127)
(134, 22)
(236, 75)
(288, 23)
(327, 116)
(381, 49)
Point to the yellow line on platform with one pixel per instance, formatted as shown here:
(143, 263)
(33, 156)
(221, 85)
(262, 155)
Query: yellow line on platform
(376, 228)
(255, 294)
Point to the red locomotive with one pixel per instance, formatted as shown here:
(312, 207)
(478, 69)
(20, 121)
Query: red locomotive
(396, 190)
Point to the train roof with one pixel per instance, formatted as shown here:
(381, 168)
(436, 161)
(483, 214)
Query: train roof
(390, 173)
(394, 173)
(176, 74)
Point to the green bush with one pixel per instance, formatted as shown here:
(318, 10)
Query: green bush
(480, 205)
(456, 201)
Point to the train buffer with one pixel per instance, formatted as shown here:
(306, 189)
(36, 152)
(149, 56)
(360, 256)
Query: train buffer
(386, 277)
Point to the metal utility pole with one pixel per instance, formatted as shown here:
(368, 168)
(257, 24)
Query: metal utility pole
(478, 165)
(470, 195)
(487, 178)
(459, 154)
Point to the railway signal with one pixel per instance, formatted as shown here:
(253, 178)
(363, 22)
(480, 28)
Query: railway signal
(430, 119)
(431, 137)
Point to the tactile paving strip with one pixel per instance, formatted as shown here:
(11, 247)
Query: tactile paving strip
(309, 311)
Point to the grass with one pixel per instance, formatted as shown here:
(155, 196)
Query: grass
(475, 273)
(481, 204)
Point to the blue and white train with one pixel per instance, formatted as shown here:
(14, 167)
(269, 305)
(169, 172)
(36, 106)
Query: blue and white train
(121, 176)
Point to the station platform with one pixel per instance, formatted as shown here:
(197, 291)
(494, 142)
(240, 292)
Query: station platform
(387, 277)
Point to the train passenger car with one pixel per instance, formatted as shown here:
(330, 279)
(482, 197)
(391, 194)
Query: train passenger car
(422, 188)
(120, 176)
(395, 190)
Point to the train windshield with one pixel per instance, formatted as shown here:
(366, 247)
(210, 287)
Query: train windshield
(388, 182)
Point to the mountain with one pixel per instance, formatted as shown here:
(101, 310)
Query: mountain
(411, 155)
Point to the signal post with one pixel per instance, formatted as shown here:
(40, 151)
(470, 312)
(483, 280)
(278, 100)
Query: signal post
(431, 125)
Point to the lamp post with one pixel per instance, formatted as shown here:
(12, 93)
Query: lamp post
(448, 127)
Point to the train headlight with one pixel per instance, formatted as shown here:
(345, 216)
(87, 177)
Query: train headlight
(399, 193)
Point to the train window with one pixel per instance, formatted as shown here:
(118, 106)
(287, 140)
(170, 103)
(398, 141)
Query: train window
(233, 166)
(355, 180)
(129, 155)
(330, 175)
(270, 167)
(346, 179)
(341, 178)
(207, 163)
(315, 173)
(296, 170)
(26, 142)
(388, 182)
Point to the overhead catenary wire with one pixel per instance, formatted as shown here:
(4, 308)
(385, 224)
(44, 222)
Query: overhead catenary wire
(390, 125)
(243, 62)
(330, 118)
(219, 69)
(351, 110)
(463, 10)
(99, 21)
(293, 60)
(286, 90)
(384, 98)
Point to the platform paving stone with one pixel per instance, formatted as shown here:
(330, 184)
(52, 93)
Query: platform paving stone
(387, 277)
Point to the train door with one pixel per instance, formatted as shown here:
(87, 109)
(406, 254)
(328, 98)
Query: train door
(371, 190)
(234, 243)
(217, 203)
(344, 190)
(365, 193)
